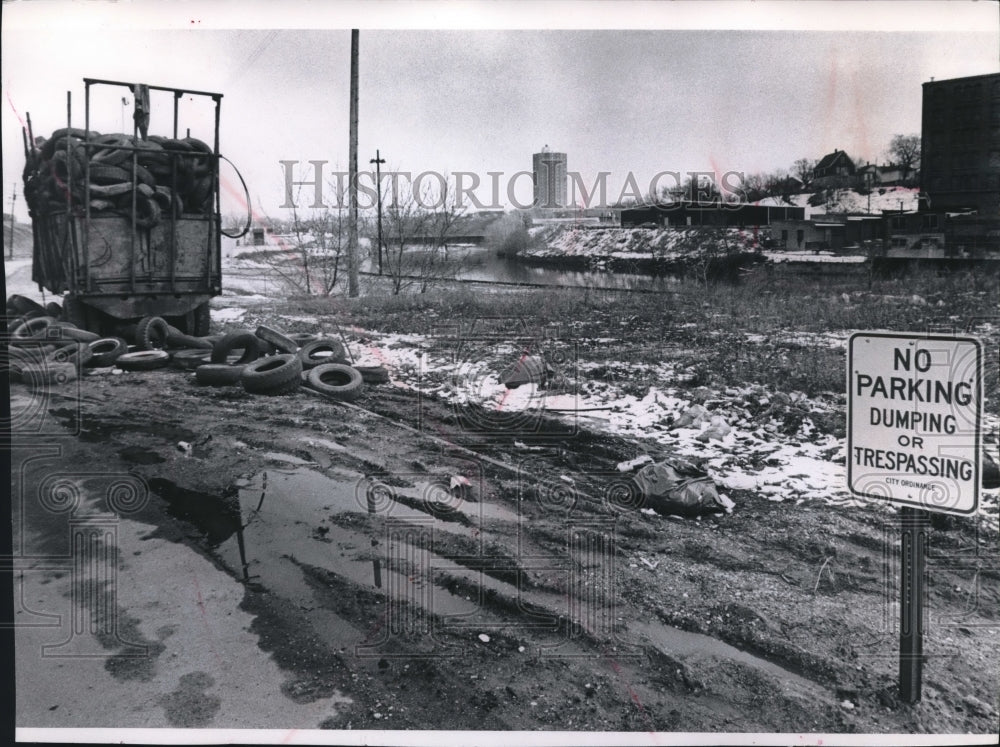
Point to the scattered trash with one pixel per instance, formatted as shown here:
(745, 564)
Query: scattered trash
(847, 705)
(633, 463)
(185, 448)
(674, 486)
(484, 638)
(529, 369)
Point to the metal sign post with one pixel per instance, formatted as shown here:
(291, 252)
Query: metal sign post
(913, 548)
(914, 425)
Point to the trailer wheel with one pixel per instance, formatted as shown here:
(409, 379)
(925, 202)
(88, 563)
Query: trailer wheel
(82, 315)
(278, 374)
(143, 360)
(202, 320)
(337, 380)
(243, 340)
(218, 374)
(151, 333)
(323, 350)
(106, 351)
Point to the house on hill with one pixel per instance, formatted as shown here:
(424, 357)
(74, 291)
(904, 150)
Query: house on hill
(833, 170)
(872, 176)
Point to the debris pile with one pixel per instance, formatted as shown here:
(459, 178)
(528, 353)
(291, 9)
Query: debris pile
(44, 350)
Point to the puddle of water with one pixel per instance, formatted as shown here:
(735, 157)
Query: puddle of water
(693, 646)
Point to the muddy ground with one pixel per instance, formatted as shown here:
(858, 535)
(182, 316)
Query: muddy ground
(292, 562)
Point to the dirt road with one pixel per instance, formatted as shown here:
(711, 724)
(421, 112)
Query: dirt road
(203, 557)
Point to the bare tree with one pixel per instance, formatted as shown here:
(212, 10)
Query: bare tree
(308, 251)
(803, 169)
(418, 231)
(904, 152)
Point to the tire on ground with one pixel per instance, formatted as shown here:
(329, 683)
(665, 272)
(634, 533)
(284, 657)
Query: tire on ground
(190, 358)
(22, 304)
(337, 380)
(70, 331)
(143, 360)
(151, 333)
(278, 374)
(77, 354)
(248, 342)
(373, 374)
(323, 350)
(105, 351)
(31, 329)
(279, 340)
(177, 339)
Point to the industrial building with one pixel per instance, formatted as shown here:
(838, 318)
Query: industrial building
(689, 213)
(960, 145)
(549, 173)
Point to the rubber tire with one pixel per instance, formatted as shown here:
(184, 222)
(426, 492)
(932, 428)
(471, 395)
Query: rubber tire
(301, 338)
(151, 330)
(77, 354)
(279, 340)
(71, 332)
(31, 329)
(247, 341)
(116, 347)
(143, 360)
(373, 374)
(278, 374)
(176, 338)
(348, 391)
(22, 304)
(307, 352)
(218, 374)
(190, 358)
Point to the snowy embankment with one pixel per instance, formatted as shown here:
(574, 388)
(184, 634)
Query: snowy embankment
(749, 438)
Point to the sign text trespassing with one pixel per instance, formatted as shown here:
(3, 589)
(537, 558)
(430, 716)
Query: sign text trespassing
(914, 419)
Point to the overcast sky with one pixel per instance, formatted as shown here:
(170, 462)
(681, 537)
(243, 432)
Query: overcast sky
(658, 96)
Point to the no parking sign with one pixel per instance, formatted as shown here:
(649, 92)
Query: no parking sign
(914, 417)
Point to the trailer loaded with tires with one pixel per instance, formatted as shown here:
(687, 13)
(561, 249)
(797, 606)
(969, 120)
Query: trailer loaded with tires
(127, 226)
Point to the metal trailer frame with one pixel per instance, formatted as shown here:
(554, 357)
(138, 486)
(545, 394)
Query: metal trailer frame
(71, 236)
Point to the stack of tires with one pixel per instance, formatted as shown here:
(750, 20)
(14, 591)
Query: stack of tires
(166, 177)
(43, 350)
(270, 362)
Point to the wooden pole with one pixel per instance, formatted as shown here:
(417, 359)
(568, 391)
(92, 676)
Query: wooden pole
(352, 186)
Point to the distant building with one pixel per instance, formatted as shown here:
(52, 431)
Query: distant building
(830, 233)
(960, 144)
(833, 170)
(685, 213)
(872, 176)
(549, 172)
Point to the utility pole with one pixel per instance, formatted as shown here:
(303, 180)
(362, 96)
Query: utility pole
(13, 200)
(352, 177)
(378, 161)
